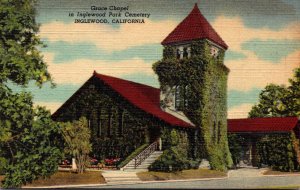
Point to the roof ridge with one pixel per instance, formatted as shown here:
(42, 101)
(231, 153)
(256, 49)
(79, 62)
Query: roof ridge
(96, 73)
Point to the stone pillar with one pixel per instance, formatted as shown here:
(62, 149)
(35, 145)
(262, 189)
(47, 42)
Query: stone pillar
(159, 144)
(74, 166)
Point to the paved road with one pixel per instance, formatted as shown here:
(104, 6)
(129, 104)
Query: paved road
(232, 182)
(240, 178)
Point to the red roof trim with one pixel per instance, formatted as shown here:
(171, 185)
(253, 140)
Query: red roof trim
(142, 96)
(271, 124)
(194, 27)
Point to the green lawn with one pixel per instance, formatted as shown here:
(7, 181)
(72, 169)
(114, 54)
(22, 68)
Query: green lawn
(185, 174)
(67, 178)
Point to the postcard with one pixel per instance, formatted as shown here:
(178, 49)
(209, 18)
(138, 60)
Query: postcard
(150, 94)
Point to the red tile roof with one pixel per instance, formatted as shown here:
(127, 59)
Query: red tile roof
(271, 124)
(194, 26)
(142, 96)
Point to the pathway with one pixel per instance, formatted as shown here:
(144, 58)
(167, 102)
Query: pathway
(115, 177)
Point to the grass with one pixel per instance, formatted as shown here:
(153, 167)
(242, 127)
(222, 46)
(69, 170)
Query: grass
(273, 172)
(1, 178)
(69, 178)
(185, 174)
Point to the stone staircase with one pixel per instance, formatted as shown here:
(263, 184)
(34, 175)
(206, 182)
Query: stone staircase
(127, 174)
(117, 177)
(145, 164)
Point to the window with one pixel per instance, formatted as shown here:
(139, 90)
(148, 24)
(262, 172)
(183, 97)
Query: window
(219, 132)
(99, 123)
(178, 54)
(178, 97)
(186, 98)
(214, 51)
(185, 52)
(109, 123)
(181, 97)
(121, 122)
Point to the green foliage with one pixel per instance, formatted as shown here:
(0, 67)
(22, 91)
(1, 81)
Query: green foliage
(35, 151)
(77, 141)
(175, 157)
(279, 152)
(3, 165)
(236, 143)
(169, 161)
(133, 155)
(21, 60)
(169, 52)
(207, 109)
(277, 100)
(28, 137)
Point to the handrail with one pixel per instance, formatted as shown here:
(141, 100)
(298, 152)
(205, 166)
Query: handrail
(145, 154)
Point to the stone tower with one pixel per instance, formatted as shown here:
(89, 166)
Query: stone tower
(193, 81)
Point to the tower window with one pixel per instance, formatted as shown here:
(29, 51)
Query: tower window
(214, 51)
(178, 54)
(185, 52)
(177, 97)
(181, 97)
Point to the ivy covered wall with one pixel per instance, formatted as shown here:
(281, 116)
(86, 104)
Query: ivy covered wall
(117, 128)
(279, 151)
(206, 77)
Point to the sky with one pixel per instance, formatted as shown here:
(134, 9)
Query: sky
(263, 38)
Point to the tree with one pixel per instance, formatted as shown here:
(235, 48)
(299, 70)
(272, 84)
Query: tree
(275, 100)
(28, 137)
(35, 151)
(77, 138)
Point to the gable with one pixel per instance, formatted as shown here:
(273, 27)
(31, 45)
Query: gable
(141, 96)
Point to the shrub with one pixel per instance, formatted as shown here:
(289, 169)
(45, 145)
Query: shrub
(173, 158)
(169, 161)
(279, 152)
(3, 164)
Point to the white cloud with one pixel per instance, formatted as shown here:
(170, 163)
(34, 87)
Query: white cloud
(78, 71)
(253, 72)
(240, 111)
(234, 32)
(107, 37)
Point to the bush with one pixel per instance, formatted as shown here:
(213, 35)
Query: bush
(3, 164)
(169, 161)
(173, 158)
(279, 152)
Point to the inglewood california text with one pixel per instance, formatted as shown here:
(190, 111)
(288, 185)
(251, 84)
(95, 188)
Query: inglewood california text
(109, 14)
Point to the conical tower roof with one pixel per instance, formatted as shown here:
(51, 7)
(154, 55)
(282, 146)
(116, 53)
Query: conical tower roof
(194, 27)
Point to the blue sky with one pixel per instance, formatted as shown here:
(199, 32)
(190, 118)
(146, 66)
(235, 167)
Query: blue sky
(263, 38)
